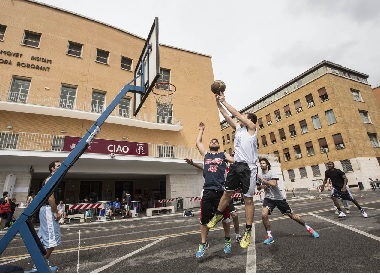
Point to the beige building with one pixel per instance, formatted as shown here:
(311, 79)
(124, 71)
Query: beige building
(58, 72)
(376, 92)
(327, 113)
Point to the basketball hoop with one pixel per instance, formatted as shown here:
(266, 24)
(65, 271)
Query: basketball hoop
(164, 92)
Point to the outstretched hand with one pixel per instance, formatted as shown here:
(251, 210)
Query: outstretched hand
(189, 161)
(201, 126)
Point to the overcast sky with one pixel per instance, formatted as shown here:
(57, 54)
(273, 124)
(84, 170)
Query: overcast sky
(256, 46)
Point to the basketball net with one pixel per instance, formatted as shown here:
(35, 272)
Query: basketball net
(164, 93)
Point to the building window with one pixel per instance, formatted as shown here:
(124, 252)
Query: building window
(102, 56)
(316, 170)
(98, 101)
(364, 116)
(19, 90)
(31, 39)
(277, 115)
(8, 140)
(287, 154)
(330, 117)
(164, 78)
(346, 164)
(57, 143)
(261, 125)
(165, 114)
(374, 140)
(126, 63)
(309, 148)
(264, 141)
(2, 32)
(277, 154)
(124, 106)
(165, 151)
(224, 141)
(310, 101)
(316, 122)
(356, 95)
(272, 137)
(269, 120)
(67, 97)
(282, 134)
(303, 126)
(297, 151)
(233, 135)
(303, 172)
(323, 94)
(75, 49)
(297, 105)
(338, 141)
(287, 111)
(292, 175)
(292, 130)
(323, 145)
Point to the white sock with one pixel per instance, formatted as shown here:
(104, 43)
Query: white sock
(269, 233)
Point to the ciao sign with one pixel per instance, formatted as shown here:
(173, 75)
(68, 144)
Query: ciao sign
(104, 146)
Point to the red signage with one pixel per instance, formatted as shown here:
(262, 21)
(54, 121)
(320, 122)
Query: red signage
(104, 146)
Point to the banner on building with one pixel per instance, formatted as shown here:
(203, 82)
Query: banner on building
(105, 146)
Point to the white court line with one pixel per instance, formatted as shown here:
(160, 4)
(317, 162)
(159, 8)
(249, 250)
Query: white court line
(348, 227)
(126, 256)
(251, 253)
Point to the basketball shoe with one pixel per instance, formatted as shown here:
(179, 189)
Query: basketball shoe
(214, 221)
(246, 240)
(202, 249)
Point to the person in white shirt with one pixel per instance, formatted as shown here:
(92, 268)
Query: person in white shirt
(274, 197)
(242, 173)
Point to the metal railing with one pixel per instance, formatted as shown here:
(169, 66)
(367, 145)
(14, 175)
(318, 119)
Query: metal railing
(77, 105)
(54, 143)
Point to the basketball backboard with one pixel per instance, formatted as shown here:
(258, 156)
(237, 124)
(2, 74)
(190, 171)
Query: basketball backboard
(147, 70)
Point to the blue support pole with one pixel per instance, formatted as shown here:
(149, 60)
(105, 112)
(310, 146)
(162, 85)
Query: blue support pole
(22, 224)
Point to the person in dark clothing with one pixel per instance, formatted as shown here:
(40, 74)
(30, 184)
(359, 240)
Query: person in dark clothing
(339, 189)
(214, 170)
(10, 214)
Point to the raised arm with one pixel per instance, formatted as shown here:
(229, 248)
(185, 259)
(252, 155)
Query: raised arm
(225, 114)
(242, 118)
(200, 145)
(229, 158)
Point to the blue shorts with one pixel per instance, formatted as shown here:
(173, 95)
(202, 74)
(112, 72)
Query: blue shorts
(49, 232)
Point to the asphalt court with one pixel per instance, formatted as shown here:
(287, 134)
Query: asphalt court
(168, 244)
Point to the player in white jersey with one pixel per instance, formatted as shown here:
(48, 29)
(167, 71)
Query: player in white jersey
(243, 171)
(274, 197)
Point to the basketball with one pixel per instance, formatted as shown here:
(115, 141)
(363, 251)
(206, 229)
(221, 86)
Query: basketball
(218, 86)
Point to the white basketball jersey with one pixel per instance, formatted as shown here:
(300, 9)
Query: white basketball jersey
(245, 146)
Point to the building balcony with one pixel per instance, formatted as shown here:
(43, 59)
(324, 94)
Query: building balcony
(52, 106)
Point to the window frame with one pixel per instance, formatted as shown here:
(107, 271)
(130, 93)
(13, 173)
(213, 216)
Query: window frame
(99, 58)
(130, 65)
(17, 78)
(27, 44)
(319, 120)
(65, 105)
(95, 91)
(72, 43)
(2, 33)
(330, 115)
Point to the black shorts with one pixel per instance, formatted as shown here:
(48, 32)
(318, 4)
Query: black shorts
(341, 195)
(209, 205)
(239, 176)
(282, 205)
